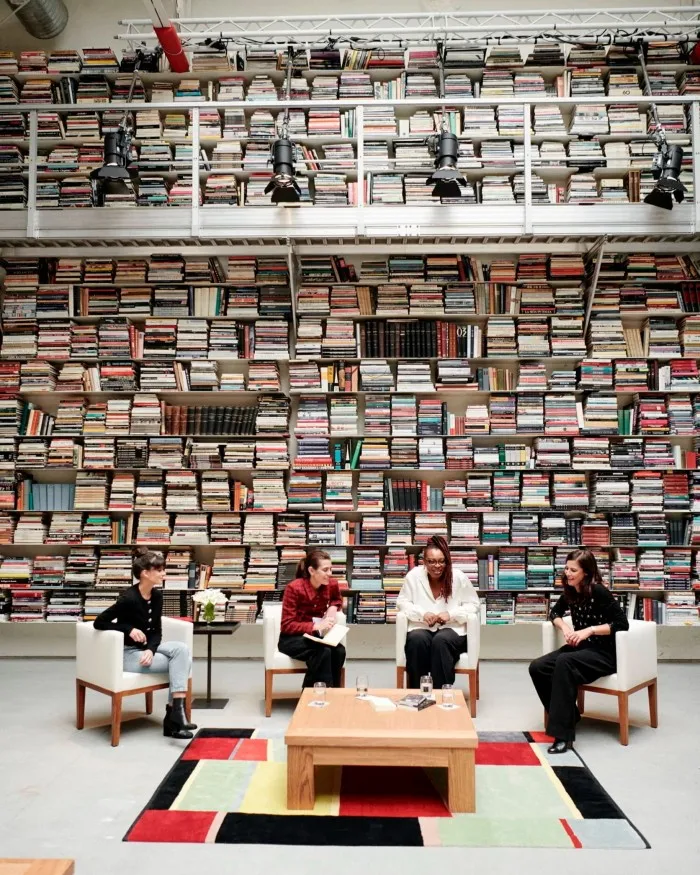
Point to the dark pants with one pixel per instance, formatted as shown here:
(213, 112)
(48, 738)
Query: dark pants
(323, 662)
(434, 653)
(557, 677)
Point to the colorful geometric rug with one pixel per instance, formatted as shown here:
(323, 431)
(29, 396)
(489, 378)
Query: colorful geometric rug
(229, 787)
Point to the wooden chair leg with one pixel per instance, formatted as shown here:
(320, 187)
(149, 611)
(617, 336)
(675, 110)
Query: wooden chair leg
(80, 691)
(342, 677)
(268, 692)
(188, 701)
(478, 680)
(581, 700)
(546, 718)
(471, 675)
(400, 677)
(623, 708)
(653, 704)
(149, 703)
(116, 718)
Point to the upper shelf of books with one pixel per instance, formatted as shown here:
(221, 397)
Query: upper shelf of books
(359, 120)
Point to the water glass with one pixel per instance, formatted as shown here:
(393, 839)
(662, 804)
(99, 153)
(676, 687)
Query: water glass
(319, 695)
(426, 685)
(362, 685)
(448, 697)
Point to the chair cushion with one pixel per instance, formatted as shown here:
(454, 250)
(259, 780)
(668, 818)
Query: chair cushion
(463, 661)
(134, 680)
(281, 660)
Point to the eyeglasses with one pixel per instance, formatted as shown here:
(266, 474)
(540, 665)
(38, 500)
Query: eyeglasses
(437, 562)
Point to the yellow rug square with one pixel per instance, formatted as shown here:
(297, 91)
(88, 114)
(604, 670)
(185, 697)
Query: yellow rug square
(267, 791)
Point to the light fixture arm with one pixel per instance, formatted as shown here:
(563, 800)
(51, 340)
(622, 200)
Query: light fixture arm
(659, 132)
(287, 91)
(441, 78)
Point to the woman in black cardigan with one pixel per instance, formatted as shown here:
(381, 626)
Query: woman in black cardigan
(589, 652)
(137, 615)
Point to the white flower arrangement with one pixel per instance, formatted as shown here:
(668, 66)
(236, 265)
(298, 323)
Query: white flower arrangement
(208, 599)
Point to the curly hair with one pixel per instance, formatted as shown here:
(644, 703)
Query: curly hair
(437, 542)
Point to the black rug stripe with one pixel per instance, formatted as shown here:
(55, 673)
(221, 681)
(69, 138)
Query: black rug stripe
(168, 790)
(280, 829)
(225, 733)
(587, 794)
(621, 814)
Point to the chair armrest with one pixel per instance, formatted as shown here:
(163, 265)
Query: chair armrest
(99, 656)
(552, 638)
(636, 654)
(473, 639)
(178, 630)
(272, 620)
(401, 633)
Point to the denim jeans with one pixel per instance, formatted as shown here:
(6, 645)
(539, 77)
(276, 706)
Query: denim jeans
(172, 657)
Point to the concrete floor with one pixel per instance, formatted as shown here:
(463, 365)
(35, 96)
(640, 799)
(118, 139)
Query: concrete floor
(65, 793)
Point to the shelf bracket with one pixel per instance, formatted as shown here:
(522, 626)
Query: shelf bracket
(31, 188)
(194, 128)
(527, 155)
(695, 139)
(599, 245)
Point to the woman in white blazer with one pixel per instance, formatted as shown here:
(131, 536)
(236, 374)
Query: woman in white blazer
(436, 598)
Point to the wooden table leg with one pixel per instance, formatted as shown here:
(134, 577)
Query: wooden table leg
(301, 793)
(461, 789)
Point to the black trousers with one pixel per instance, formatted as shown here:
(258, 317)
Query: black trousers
(557, 676)
(322, 661)
(434, 653)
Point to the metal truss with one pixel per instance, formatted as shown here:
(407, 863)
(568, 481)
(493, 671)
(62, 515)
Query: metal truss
(596, 25)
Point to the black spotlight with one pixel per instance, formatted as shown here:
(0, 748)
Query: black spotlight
(113, 179)
(447, 180)
(666, 170)
(283, 185)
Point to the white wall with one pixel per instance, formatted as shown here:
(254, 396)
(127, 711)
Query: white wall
(94, 22)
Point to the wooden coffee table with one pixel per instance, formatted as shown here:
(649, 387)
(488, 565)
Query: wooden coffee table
(349, 732)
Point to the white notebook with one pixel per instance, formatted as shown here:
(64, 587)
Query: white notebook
(333, 636)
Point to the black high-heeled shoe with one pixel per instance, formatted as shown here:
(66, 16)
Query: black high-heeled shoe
(560, 746)
(175, 721)
(186, 724)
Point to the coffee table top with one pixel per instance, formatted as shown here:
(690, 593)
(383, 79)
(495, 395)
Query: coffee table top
(353, 722)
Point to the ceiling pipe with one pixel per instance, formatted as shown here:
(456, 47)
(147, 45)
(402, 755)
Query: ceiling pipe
(43, 19)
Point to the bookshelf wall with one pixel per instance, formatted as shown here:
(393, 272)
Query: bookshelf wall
(233, 410)
(233, 415)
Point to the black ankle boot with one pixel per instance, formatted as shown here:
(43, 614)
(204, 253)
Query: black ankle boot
(187, 725)
(559, 746)
(175, 721)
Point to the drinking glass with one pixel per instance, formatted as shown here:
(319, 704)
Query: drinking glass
(319, 695)
(426, 685)
(448, 697)
(362, 685)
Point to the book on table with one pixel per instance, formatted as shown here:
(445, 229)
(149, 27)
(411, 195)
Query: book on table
(332, 637)
(416, 701)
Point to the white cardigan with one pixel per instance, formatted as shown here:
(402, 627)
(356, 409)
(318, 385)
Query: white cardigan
(416, 599)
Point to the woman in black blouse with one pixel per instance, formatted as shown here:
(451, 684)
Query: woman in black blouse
(137, 615)
(589, 652)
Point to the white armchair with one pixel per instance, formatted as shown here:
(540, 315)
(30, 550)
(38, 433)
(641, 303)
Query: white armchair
(99, 666)
(277, 662)
(468, 663)
(636, 669)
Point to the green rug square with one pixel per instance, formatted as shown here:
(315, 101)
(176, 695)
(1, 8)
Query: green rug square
(511, 792)
(475, 831)
(215, 785)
